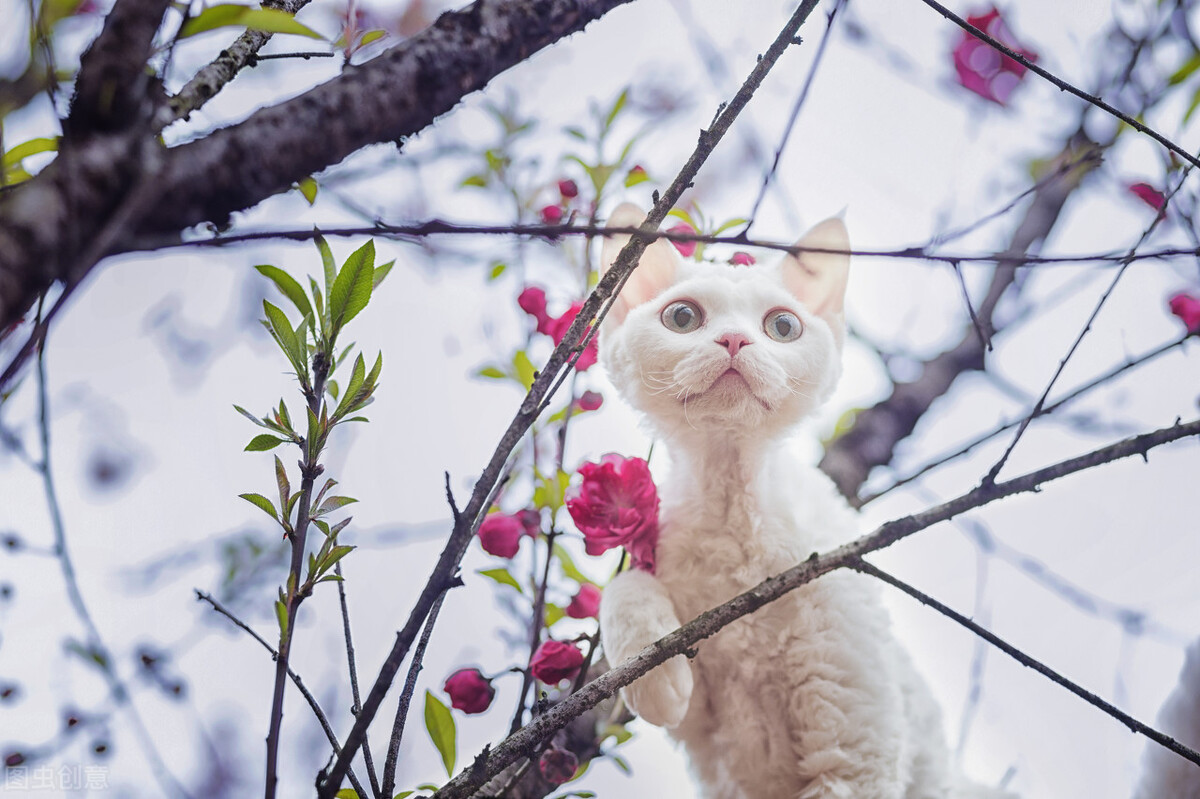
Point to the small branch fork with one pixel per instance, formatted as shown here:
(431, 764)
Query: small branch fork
(549, 378)
(517, 745)
(299, 683)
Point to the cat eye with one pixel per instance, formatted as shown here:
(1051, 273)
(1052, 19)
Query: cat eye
(783, 326)
(682, 316)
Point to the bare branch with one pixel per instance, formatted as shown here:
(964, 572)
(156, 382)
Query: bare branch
(1025, 660)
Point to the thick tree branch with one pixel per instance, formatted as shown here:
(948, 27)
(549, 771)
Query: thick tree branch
(112, 92)
(385, 100)
(542, 727)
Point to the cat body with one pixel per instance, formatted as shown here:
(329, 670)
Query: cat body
(810, 696)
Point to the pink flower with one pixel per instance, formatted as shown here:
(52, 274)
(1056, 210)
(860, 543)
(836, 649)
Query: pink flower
(617, 505)
(558, 765)
(500, 534)
(742, 259)
(1187, 308)
(556, 328)
(552, 214)
(556, 661)
(1149, 195)
(635, 176)
(531, 520)
(568, 189)
(589, 400)
(983, 70)
(586, 603)
(686, 248)
(469, 690)
(533, 302)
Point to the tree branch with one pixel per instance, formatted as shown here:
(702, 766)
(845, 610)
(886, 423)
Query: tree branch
(1025, 660)
(710, 622)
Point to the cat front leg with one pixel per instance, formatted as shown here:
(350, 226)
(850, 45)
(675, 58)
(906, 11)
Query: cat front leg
(634, 613)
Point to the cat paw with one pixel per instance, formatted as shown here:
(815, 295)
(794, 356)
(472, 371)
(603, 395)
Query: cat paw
(661, 697)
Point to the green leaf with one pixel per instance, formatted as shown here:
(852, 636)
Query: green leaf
(616, 108)
(284, 334)
(352, 288)
(680, 213)
(478, 181)
(1185, 71)
(732, 223)
(576, 133)
(357, 377)
(635, 176)
(371, 36)
(263, 443)
(616, 731)
(262, 502)
(252, 417)
(403, 795)
(335, 554)
(326, 261)
(308, 190)
(330, 483)
(553, 613)
(263, 19)
(568, 565)
(375, 370)
(318, 300)
(281, 479)
(622, 764)
(523, 369)
(288, 286)
(281, 617)
(497, 270)
(439, 722)
(1191, 109)
(333, 503)
(492, 372)
(501, 576)
(332, 387)
(25, 149)
(381, 273)
(347, 793)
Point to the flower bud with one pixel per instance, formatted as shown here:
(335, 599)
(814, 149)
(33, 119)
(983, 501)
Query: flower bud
(469, 690)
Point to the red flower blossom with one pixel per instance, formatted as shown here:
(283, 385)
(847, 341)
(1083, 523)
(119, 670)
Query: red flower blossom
(586, 603)
(500, 534)
(556, 661)
(1149, 195)
(558, 765)
(1187, 308)
(617, 505)
(469, 690)
(742, 259)
(531, 520)
(533, 302)
(984, 70)
(686, 248)
(568, 189)
(552, 214)
(589, 401)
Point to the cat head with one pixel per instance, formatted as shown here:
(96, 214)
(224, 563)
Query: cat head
(701, 346)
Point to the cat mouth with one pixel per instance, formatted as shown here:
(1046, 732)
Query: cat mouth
(728, 379)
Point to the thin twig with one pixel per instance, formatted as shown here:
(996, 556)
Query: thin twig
(1025, 660)
(410, 686)
(299, 683)
(545, 725)
(368, 760)
(1084, 389)
(103, 655)
(544, 384)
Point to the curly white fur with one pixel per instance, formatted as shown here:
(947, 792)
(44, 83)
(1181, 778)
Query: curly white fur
(810, 697)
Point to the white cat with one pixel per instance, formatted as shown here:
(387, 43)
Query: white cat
(810, 697)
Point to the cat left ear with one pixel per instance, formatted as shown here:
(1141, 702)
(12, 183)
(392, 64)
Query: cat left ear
(818, 279)
(654, 273)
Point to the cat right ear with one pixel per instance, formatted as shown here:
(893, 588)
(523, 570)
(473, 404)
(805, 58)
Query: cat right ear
(654, 273)
(818, 279)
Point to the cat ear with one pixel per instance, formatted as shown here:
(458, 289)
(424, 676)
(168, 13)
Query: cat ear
(818, 279)
(654, 273)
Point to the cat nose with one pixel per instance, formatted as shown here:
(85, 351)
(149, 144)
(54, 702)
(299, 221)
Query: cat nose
(733, 342)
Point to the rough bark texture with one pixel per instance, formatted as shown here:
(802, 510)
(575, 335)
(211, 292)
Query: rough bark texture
(88, 192)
